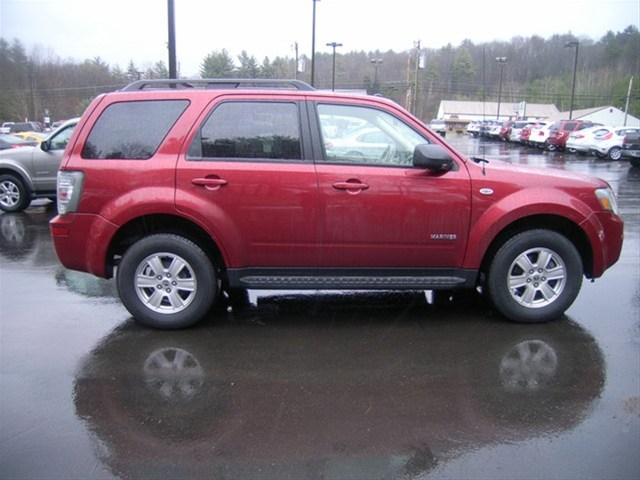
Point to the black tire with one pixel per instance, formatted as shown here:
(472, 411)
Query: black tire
(198, 267)
(539, 309)
(13, 185)
(615, 154)
(551, 147)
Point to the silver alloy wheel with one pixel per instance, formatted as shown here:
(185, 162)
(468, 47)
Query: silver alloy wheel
(165, 283)
(615, 154)
(537, 277)
(9, 194)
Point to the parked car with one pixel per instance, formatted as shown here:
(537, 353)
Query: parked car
(30, 172)
(539, 133)
(11, 141)
(473, 128)
(186, 191)
(516, 130)
(631, 148)
(559, 132)
(6, 127)
(486, 126)
(439, 126)
(25, 127)
(505, 131)
(31, 136)
(364, 142)
(494, 131)
(582, 140)
(610, 144)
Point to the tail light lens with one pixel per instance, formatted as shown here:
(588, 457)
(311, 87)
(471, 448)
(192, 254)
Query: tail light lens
(607, 136)
(69, 191)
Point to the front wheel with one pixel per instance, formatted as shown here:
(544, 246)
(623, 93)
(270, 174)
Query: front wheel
(535, 276)
(166, 281)
(615, 154)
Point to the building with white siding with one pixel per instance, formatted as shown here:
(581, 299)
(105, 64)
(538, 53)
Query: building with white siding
(611, 116)
(465, 111)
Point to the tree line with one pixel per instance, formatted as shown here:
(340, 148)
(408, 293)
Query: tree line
(537, 70)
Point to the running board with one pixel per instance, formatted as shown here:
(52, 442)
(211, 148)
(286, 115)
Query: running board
(333, 279)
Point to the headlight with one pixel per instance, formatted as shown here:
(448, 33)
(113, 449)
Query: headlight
(607, 199)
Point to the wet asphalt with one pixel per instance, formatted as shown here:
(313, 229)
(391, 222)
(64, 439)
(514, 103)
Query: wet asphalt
(330, 386)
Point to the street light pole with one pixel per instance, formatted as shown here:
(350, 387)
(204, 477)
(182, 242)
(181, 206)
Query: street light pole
(333, 73)
(313, 44)
(376, 63)
(173, 73)
(576, 44)
(501, 61)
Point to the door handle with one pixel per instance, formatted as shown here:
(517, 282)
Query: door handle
(352, 186)
(210, 183)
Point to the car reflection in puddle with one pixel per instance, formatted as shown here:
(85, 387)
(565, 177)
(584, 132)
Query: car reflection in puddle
(332, 386)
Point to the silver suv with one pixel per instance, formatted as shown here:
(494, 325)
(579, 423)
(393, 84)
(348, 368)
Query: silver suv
(30, 172)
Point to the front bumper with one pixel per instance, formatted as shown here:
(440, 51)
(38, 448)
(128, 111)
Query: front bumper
(606, 234)
(81, 242)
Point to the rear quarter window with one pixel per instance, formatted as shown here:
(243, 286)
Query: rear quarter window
(132, 130)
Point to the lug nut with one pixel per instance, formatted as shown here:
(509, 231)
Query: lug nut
(159, 287)
(168, 290)
(174, 283)
(528, 280)
(535, 284)
(544, 279)
(159, 277)
(169, 275)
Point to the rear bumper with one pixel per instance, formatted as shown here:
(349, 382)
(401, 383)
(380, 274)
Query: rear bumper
(81, 242)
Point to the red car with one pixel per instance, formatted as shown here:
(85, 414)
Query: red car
(183, 188)
(505, 131)
(559, 132)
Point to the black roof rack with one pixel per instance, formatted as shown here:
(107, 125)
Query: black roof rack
(216, 83)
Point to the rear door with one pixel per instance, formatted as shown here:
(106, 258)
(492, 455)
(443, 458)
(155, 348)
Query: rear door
(377, 210)
(248, 176)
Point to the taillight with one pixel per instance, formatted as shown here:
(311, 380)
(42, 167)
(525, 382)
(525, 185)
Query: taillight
(69, 191)
(607, 136)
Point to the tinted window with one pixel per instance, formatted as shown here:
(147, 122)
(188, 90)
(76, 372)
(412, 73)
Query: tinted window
(267, 130)
(132, 130)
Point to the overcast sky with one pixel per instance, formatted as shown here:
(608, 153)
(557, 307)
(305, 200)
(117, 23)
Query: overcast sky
(123, 30)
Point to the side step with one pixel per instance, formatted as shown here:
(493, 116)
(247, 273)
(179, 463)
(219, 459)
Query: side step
(331, 280)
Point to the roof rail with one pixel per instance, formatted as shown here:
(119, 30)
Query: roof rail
(216, 83)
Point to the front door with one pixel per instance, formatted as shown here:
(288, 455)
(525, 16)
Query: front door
(378, 211)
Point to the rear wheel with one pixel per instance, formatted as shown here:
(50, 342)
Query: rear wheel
(166, 281)
(14, 196)
(535, 276)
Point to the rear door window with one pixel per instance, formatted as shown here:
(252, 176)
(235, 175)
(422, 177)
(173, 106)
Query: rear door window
(249, 130)
(132, 130)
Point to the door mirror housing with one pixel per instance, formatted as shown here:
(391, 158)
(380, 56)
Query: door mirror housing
(432, 157)
(45, 146)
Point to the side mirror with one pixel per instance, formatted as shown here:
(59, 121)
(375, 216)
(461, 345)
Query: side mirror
(432, 157)
(45, 146)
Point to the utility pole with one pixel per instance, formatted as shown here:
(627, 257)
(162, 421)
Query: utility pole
(501, 61)
(172, 39)
(313, 45)
(333, 71)
(376, 63)
(415, 79)
(572, 44)
(295, 48)
(626, 105)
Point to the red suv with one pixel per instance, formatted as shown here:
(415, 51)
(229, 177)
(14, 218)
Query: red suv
(559, 132)
(182, 189)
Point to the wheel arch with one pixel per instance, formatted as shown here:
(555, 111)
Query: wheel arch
(142, 226)
(21, 173)
(556, 223)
